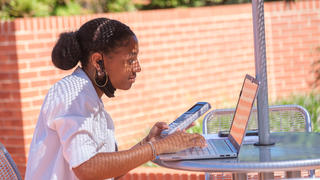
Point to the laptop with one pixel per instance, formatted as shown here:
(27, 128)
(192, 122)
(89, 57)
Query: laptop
(228, 147)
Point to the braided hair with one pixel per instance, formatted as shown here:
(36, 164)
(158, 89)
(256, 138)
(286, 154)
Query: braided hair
(97, 35)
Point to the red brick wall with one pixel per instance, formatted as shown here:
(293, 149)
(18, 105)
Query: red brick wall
(187, 55)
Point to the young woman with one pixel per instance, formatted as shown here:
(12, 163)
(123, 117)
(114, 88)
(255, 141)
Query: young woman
(74, 135)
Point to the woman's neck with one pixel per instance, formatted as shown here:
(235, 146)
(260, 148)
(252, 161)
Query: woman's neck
(91, 77)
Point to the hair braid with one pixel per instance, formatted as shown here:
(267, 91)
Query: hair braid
(97, 35)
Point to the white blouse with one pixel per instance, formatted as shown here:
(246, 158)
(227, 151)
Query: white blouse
(72, 127)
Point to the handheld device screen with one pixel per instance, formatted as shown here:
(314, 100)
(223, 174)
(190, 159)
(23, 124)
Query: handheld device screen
(195, 108)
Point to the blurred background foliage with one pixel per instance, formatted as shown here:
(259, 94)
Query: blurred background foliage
(39, 8)
(310, 101)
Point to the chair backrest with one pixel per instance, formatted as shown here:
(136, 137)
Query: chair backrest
(8, 169)
(282, 118)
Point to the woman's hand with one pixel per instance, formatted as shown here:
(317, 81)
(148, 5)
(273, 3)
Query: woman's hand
(190, 126)
(178, 141)
(155, 131)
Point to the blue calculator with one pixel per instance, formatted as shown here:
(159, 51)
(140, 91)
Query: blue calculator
(187, 118)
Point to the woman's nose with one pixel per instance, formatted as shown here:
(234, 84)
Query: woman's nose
(136, 66)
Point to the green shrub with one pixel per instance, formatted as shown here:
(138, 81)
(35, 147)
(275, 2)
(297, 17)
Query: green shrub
(26, 8)
(70, 8)
(33, 8)
(39, 8)
(120, 5)
(161, 4)
(197, 128)
(4, 15)
(309, 101)
(316, 70)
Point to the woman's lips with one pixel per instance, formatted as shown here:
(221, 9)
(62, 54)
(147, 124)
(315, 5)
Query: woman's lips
(132, 79)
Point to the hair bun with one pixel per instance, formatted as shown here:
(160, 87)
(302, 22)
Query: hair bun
(67, 52)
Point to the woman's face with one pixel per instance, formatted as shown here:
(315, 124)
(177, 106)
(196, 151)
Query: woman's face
(122, 64)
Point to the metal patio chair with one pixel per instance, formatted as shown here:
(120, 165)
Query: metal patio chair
(282, 118)
(8, 169)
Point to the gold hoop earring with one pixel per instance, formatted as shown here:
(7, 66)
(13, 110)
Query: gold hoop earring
(101, 82)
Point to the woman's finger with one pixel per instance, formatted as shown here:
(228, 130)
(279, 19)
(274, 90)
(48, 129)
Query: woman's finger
(162, 125)
(191, 125)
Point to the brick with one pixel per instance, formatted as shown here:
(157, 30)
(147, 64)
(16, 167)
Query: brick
(202, 176)
(184, 176)
(47, 73)
(29, 94)
(10, 105)
(4, 121)
(9, 66)
(21, 48)
(176, 176)
(32, 113)
(30, 122)
(37, 102)
(5, 76)
(6, 48)
(36, 45)
(45, 35)
(126, 177)
(3, 38)
(44, 92)
(193, 177)
(39, 83)
(143, 176)
(4, 57)
(160, 176)
(12, 146)
(168, 176)
(135, 177)
(45, 54)
(9, 132)
(5, 95)
(10, 116)
(26, 56)
(9, 85)
(6, 27)
(152, 176)
(24, 37)
(28, 75)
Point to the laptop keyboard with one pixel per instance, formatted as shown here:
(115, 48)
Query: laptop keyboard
(215, 147)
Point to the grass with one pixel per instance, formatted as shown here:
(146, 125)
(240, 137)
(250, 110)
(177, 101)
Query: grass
(310, 101)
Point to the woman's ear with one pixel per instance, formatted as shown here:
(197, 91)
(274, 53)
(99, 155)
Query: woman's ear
(94, 60)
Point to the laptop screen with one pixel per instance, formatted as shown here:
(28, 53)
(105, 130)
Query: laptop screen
(243, 110)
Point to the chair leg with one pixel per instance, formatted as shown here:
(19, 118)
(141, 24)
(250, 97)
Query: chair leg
(293, 174)
(266, 175)
(312, 173)
(207, 176)
(239, 176)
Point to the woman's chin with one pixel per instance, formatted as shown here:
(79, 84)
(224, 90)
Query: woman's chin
(127, 87)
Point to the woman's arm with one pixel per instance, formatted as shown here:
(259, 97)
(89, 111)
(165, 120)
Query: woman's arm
(107, 165)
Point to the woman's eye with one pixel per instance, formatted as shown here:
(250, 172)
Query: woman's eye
(131, 61)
